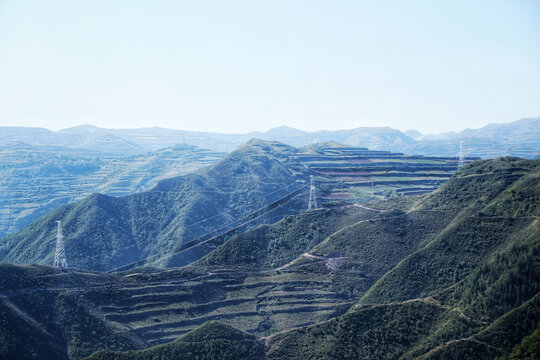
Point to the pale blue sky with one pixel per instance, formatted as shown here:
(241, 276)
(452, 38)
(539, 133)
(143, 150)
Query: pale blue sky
(236, 66)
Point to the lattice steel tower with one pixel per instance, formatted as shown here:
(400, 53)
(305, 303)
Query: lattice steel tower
(461, 160)
(312, 204)
(60, 254)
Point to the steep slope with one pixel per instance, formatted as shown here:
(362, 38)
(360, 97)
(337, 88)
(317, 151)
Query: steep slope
(498, 201)
(498, 305)
(53, 324)
(379, 332)
(528, 349)
(329, 283)
(434, 243)
(273, 246)
(459, 322)
(484, 315)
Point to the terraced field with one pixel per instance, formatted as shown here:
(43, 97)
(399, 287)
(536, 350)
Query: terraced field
(304, 288)
(160, 312)
(35, 180)
(359, 174)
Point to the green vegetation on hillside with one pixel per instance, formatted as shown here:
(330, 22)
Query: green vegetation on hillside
(272, 246)
(454, 275)
(528, 349)
(379, 332)
(41, 318)
(474, 319)
(472, 236)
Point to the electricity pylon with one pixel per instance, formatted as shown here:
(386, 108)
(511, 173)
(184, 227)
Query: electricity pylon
(60, 254)
(312, 204)
(461, 160)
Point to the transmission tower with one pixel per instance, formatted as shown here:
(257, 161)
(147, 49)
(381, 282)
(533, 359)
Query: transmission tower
(312, 204)
(60, 254)
(461, 160)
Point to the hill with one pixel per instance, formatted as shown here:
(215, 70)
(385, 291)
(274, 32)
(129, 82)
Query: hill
(506, 214)
(120, 230)
(259, 182)
(472, 291)
(457, 323)
(89, 138)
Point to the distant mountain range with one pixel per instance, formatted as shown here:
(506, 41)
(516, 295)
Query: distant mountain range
(519, 138)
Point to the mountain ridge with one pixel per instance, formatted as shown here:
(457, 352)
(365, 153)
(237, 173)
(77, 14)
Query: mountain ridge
(518, 138)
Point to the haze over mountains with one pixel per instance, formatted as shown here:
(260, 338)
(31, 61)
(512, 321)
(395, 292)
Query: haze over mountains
(518, 138)
(269, 180)
(193, 253)
(43, 169)
(37, 179)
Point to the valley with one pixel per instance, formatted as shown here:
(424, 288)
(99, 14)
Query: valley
(418, 276)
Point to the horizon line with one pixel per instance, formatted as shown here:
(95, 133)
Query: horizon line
(270, 129)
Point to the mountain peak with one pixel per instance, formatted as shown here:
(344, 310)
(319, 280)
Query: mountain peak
(415, 134)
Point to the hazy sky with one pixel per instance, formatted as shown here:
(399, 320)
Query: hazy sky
(236, 66)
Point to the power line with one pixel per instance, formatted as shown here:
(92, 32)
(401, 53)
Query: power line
(195, 241)
(237, 207)
(461, 160)
(312, 204)
(228, 211)
(228, 231)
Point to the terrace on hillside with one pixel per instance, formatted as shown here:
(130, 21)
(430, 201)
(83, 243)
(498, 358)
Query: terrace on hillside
(347, 173)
